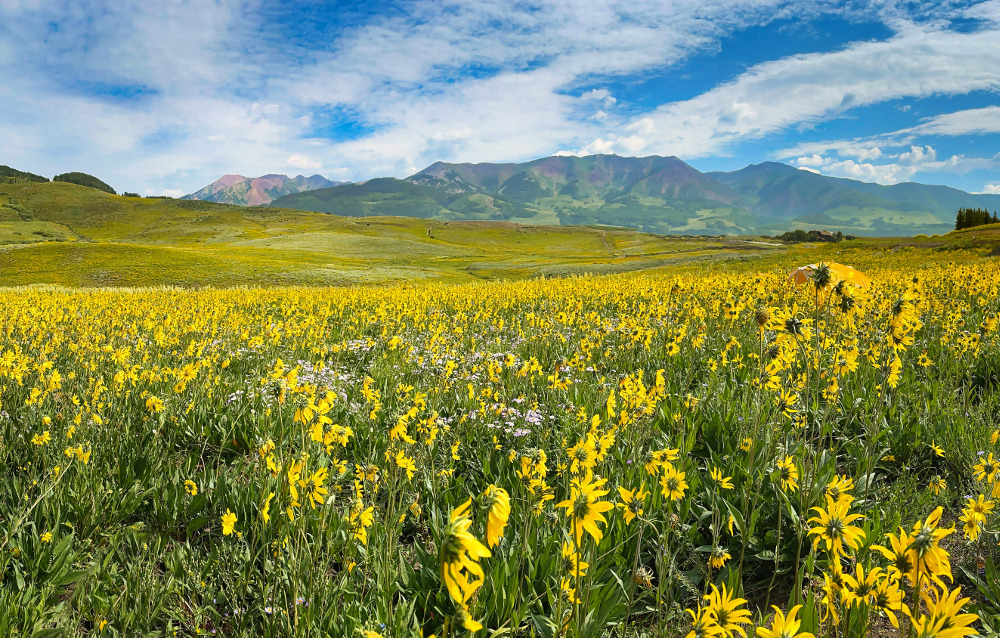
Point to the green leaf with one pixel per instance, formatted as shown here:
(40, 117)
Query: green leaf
(197, 504)
(72, 577)
(196, 524)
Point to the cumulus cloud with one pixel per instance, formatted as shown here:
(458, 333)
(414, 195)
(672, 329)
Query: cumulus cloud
(814, 160)
(302, 162)
(990, 189)
(868, 172)
(856, 161)
(773, 96)
(603, 95)
(173, 94)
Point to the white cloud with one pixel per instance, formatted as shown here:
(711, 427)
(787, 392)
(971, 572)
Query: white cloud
(302, 162)
(171, 193)
(809, 169)
(989, 10)
(602, 95)
(894, 168)
(985, 120)
(814, 160)
(958, 123)
(990, 189)
(221, 92)
(868, 172)
(773, 96)
(862, 153)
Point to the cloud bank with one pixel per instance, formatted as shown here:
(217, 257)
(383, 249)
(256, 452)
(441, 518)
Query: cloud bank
(168, 96)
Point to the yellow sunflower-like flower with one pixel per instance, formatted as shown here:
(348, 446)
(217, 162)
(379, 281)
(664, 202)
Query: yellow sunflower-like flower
(944, 617)
(464, 618)
(727, 612)
(571, 563)
(497, 502)
(359, 520)
(583, 455)
(460, 555)
(838, 488)
(632, 502)
(702, 624)
(834, 528)
(927, 558)
(406, 464)
(784, 625)
(723, 482)
(860, 588)
(717, 558)
(937, 484)
(228, 523)
(897, 554)
(987, 468)
(888, 599)
(788, 474)
(672, 483)
(584, 507)
(314, 486)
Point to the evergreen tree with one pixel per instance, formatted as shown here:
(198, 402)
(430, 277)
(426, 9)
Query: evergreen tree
(14, 175)
(83, 179)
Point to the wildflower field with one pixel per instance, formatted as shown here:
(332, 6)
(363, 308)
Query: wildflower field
(706, 450)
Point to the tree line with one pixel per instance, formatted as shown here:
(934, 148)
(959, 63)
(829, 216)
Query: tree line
(968, 217)
(83, 179)
(14, 175)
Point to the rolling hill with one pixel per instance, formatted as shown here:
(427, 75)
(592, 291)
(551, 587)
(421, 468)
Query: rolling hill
(655, 194)
(84, 180)
(62, 233)
(240, 190)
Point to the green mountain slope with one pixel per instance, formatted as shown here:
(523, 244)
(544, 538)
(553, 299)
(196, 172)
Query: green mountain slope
(650, 194)
(783, 197)
(61, 233)
(239, 190)
(657, 194)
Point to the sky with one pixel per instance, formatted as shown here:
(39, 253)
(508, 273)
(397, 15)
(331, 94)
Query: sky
(165, 97)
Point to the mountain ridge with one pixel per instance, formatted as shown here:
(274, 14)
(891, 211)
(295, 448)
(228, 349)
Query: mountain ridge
(240, 190)
(661, 194)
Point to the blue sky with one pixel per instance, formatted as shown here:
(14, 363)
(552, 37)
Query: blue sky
(165, 97)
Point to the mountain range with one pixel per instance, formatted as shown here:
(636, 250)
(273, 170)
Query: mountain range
(240, 190)
(655, 194)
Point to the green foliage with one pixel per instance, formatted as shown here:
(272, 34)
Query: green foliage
(655, 194)
(13, 175)
(83, 180)
(968, 217)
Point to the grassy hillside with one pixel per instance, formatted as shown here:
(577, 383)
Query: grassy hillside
(781, 197)
(654, 194)
(62, 233)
